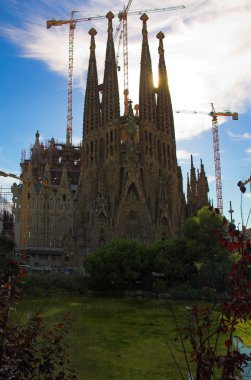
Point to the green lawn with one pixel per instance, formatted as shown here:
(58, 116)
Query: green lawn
(116, 338)
(119, 339)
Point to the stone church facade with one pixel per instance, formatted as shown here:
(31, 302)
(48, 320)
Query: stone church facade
(122, 181)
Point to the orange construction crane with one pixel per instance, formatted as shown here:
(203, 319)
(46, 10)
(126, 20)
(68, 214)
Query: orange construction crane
(217, 161)
(123, 23)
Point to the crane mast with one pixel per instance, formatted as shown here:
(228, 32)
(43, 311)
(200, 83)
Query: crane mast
(123, 20)
(217, 163)
(72, 27)
(216, 145)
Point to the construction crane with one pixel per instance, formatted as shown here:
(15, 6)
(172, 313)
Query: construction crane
(122, 29)
(242, 185)
(217, 161)
(123, 24)
(24, 208)
(25, 198)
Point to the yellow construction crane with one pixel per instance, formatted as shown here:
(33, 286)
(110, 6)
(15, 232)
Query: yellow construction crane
(25, 198)
(217, 161)
(123, 28)
(24, 207)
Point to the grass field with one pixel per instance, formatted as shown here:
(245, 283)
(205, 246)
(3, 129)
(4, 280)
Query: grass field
(119, 339)
(116, 338)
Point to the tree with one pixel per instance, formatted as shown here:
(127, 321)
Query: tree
(207, 326)
(118, 265)
(205, 330)
(203, 234)
(172, 259)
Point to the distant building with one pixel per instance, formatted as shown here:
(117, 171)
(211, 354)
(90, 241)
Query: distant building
(122, 181)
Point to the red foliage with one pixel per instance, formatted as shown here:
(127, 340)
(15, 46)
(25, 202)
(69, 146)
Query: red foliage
(30, 351)
(204, 332)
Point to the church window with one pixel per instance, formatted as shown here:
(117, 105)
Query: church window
(133, 191)
(111, 136)
(102, 218)
(132, 216)
(102, 148)
(168, 155)
(164, 220)
(64, 197)
(159, 152)
(155, 147)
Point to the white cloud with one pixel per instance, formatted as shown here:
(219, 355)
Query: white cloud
(6, 183)
(207, 45)
(211, 178)
(76, 140)
(239, 137)
(248, 150)
(247, 195)
(184, 155)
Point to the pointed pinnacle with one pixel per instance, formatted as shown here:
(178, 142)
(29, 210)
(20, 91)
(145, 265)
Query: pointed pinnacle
(92, 32)
(144, 17)
(110, 16)
(160, 36)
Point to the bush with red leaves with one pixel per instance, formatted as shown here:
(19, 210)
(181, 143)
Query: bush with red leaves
(205, 331)
(30, 350)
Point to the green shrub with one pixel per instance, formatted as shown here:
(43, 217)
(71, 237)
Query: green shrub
(185, 292)
(38, 285)
(159, 285)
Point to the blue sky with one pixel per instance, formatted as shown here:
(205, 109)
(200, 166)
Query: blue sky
(208, 56)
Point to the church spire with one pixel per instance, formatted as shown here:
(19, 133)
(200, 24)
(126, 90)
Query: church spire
(202, 186)
(164, 104)
(92, 105)
(193, 181)
(147, 104)
(110, 100)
